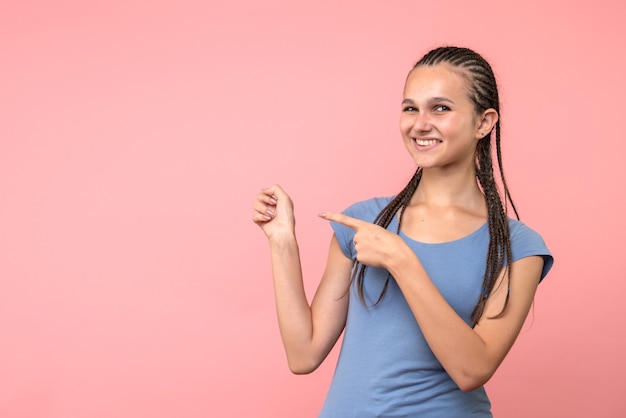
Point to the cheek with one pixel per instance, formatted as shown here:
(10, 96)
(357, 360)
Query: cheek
(461, 126)
(405, 124)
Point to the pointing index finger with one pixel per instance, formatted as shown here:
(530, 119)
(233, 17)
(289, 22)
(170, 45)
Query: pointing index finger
(346, 220)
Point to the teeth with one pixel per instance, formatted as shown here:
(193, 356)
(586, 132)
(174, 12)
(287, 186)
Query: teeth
(425, 142)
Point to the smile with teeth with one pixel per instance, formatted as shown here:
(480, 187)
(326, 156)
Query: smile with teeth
(425, 142)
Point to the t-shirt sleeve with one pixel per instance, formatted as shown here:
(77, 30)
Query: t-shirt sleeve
(526, 243)
(344, 234)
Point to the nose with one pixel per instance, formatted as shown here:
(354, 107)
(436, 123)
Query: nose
(421, 123)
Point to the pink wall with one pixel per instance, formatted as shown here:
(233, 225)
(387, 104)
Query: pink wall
(135, 134)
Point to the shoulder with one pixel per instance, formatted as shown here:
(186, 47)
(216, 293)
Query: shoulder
(367, 210)
(521, 233)
(526, 242)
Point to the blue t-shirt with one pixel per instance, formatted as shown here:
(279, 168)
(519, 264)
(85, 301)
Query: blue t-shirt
(386, 368)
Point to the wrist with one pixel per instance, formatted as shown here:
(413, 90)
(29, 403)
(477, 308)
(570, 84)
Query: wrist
(282, 239)
(402, 262)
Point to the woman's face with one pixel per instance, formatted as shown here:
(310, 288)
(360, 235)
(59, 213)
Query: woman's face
(439, 124)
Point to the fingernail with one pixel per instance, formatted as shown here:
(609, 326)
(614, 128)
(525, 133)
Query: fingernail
(273, 201)
(269, 212)
(322, 215)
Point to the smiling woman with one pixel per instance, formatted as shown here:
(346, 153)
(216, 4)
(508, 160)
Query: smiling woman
(437, 107)
(432, 285)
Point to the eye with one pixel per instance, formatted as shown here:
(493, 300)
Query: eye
(441, 108)
(409, 109)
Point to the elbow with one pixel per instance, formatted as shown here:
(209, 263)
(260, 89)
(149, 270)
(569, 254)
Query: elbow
(470, 385)
(301, 370)
(470, 382)
(302, 366)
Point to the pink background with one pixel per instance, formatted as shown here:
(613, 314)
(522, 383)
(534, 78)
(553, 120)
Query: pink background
(134, 136)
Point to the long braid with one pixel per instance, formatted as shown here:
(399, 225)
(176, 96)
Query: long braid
(484, 94)
(499, 244)
(383, 219)
(507, 194)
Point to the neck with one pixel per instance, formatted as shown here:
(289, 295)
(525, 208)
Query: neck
(439, 187)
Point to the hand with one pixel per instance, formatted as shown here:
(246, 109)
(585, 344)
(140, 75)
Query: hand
(274, 212)
(374, 245)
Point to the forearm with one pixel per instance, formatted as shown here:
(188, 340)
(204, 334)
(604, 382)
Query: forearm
(460, 349)
(292, 307)
(308, 331)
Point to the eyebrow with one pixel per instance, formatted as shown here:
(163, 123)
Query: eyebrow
(432, 99)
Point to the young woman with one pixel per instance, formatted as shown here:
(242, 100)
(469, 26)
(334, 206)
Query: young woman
(433, 285)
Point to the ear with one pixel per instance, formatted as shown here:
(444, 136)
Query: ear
(486, 121)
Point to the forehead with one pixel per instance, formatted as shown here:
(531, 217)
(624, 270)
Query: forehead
(440, 80)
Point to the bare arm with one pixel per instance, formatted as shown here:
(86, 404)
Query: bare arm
(308, 331)
(469, 355)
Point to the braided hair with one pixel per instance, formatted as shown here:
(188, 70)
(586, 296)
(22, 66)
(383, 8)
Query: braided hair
(483, 92)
